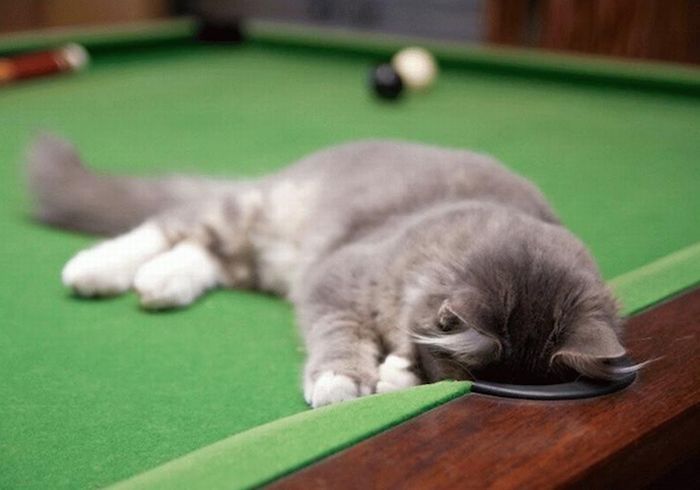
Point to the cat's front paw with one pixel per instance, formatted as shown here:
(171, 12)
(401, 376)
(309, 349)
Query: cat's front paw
(330, 387)
(395, 374)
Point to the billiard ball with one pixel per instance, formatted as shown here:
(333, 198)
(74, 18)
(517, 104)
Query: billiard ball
(416, 67)
(386, 83)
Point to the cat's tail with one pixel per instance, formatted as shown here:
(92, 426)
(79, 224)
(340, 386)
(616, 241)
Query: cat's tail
(68, 195)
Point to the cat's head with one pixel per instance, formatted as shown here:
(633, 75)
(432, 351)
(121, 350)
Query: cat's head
(520, 313)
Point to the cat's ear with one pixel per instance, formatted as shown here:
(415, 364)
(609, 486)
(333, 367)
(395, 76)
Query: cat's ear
(460, 338)
(458, 310)
(449, 320)
(589, 349)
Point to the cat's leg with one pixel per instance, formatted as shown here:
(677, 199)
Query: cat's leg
(398, 370)
(109, 267)
(342, 360)
(211, 248)
(179, 276)
(173, 258)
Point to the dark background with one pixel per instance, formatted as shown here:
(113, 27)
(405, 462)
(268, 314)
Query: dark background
(667, 30)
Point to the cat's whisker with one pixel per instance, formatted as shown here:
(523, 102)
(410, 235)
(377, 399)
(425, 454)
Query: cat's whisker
(633, 368)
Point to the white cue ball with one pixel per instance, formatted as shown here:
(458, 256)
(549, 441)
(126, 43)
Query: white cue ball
(416, 67)
(75, 55)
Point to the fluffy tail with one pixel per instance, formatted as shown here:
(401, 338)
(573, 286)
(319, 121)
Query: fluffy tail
(68, 195)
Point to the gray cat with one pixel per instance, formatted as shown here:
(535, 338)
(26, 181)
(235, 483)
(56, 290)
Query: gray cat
(406, 263)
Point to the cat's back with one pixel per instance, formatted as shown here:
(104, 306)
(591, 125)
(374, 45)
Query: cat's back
(372, 156)
(370, 190)
(389, 177)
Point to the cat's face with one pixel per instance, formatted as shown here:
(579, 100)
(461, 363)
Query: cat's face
(519, 319)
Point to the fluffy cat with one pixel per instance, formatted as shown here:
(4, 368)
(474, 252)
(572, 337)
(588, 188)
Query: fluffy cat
(406, 263)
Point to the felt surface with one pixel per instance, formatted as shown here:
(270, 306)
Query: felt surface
(95, 392)
(644, 287)
(266, 452)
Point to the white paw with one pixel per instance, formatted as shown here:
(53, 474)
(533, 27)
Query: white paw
(177, 277)
(109, 268)
(330, 388)
(395, 374)
(92, 273)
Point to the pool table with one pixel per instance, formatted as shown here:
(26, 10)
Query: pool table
(100, 393)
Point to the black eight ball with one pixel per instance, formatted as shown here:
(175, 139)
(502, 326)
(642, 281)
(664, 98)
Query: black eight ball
(386, 83)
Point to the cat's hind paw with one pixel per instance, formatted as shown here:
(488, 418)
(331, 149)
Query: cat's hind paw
(109, 268)
(87, 274)
(395, 374)
(330, 388)
(177, 277)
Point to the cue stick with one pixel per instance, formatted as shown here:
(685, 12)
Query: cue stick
(68, 58)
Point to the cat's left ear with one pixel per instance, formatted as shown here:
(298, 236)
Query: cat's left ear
(589, 349)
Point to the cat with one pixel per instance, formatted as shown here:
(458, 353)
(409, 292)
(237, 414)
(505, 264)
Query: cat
(406, 263)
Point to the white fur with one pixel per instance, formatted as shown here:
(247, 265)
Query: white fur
(177, 277)
(331, 388)
(250, 202)
(278, 240)
(109, 267)
(395, 374)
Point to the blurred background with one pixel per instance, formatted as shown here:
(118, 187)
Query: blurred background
(667, 30)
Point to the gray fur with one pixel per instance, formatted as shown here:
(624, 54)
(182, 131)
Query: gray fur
(440, 256)
(68, 195)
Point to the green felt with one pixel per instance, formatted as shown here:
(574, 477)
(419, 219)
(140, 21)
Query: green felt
(95, 392)
(267, 452)
(658, 280)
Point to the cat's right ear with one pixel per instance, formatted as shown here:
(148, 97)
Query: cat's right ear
(589, 350)
(449, 321)
(460, 337)
(458, 309)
